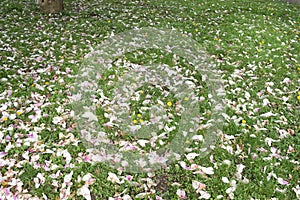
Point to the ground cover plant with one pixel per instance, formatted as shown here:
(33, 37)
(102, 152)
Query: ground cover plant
(254, 44)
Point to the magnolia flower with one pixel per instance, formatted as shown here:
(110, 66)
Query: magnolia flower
(286, 81)
(3, 107)
(2, 154)
(198, 138)
(184, 166)
(198, 186)
(225, 180)
(12, 116)
(268, 114)
(36, 117)
(85, 192)
(68, 177)
(282, 182)
(239, 169)
(230, 190)
(126, 197)
(88, 179)
(226, 162)
(129, 177)
(204, 195)
(158, 198)
(113, 178)
(155, 158)
(57, 119)
(181, 194)
(65, 154)
(142, 142)
(207, 170)
(297, 191)
(141, 195)
(32, 137)
(90, 116)
(191, 156)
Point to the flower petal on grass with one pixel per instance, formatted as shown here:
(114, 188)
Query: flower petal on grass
(85, 192)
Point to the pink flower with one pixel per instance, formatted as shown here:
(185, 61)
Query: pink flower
(85, 192)
(198, 186)
(129, 177)
(158, 198)
(181, 194)
(2, 154)
(282, 182)
(87, 158)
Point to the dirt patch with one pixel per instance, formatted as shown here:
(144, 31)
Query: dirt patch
(293, 1)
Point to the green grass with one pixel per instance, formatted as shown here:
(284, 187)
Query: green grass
(255, 44)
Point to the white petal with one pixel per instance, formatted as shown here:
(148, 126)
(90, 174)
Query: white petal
(141, 195)
(85, 192)
(247, 95)
(229, 190)
(90, 116)
(266, 102)
(126, 197)
(68, 177)
(282, 182)
(142, 142)
(195, 184)
(268, 114)
(87, 177)
(207, 170)
(197, 137)
(225, 180)
(204, 195)
(240, 168)
(113, 178)
(191, 156)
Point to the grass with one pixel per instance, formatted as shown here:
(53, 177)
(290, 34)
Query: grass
(255, 44)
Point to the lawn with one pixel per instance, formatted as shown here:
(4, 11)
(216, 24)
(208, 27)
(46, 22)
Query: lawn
(254, 47)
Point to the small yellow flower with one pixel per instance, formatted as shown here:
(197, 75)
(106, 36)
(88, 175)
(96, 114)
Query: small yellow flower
(135, 121)
(299, 93)
(141, 120)
(196, 30)
(298, 97)
(5, 118)
(33, 85)
(258, 50)
(142, 92)
(19, 112)
(261, 43)
(244, 121)
(46, 83)
(169, 103)
(139, 115)
(186, 98)
(4, 183)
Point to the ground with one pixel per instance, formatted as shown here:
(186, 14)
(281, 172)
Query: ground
(255, 47)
